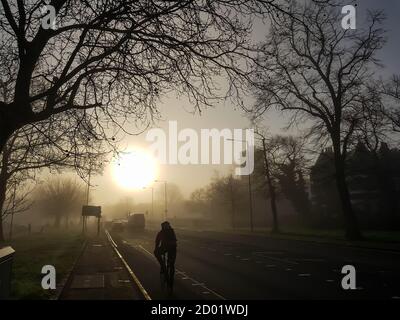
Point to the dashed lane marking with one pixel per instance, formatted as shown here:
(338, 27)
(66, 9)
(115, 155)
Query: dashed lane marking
(280, 260)
(179, 272)
(311, 260)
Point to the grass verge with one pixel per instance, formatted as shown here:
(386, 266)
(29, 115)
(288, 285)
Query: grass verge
(372, 239)
(58, 248)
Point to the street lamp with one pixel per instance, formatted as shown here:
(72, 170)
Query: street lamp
(250, 193)
(152, 200)
(275, 227)
(165, 196)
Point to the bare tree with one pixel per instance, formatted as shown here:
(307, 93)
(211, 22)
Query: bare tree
(391, 90)
(289, 162)
(30, 150)
(112, 60)
(60, 198)
(318, 72)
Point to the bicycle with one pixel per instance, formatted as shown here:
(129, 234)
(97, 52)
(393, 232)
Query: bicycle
(167, 277)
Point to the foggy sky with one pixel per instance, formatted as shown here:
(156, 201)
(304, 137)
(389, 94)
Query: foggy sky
(190, 177)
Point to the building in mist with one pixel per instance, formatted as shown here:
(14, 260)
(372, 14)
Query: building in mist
(374, 185)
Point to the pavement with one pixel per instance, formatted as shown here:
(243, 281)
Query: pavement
(217, 265)
(100, 274)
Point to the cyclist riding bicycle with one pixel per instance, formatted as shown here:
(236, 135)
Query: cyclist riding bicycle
(166, 243)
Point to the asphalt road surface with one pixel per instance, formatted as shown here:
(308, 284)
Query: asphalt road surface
(213, 265)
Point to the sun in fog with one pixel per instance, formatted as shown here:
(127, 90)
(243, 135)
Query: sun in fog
(135, 169)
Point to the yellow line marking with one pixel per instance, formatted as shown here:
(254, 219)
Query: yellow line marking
(131, 273)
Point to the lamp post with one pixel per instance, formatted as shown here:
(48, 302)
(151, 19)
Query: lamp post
(165, 196)
(152, 200)
(272, 191)
(84, 218)
(250, 192)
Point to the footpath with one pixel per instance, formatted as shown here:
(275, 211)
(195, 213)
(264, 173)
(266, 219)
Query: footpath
(100, 274)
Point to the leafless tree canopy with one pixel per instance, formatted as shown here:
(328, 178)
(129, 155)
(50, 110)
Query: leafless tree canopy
(109, 61)
(59, 198)
(391, 90)
(317, 70)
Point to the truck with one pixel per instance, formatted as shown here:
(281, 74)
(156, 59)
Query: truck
(136, 221)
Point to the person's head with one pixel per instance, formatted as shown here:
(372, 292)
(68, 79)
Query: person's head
(165, 225)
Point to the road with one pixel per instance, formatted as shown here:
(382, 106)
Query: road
(216, 265)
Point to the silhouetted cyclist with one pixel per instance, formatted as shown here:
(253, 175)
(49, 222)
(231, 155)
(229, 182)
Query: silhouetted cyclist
(166, 243)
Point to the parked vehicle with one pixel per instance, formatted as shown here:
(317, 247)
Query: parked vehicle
(117, 226)
(136, 221)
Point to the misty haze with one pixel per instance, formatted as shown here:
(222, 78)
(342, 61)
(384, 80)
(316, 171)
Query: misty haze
(199, 150)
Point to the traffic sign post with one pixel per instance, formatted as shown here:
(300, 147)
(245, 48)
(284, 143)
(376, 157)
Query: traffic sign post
(91, 211)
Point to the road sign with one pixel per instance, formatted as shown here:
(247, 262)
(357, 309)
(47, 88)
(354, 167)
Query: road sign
(91, 211)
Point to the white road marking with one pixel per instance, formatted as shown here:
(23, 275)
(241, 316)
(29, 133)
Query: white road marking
(124, 281)
(288, 269)
(330, 280)
(267, 252)
(245, 259)
(280, 260)
(312, 260)
(304, 275)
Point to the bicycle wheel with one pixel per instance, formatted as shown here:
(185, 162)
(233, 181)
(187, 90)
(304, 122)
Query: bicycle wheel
(164, 275)
(171, 274)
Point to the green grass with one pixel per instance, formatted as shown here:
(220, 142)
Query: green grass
(58, 248)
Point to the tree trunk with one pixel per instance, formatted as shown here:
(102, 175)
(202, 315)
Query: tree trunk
(5, 134)
(350, 219)
(3, 186)
(57, 221)
(275, 225)
(1, 230)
